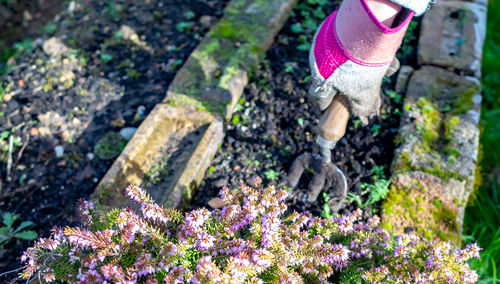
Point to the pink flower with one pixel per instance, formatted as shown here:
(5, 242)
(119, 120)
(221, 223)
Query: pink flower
(48, 275)
(204, 241)
(263, 258)
(195, 219)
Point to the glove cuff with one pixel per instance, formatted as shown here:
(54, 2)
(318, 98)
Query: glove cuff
(364, 39)
(418, 6)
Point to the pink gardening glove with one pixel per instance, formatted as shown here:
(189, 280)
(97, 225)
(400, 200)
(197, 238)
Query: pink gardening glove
(352, 51)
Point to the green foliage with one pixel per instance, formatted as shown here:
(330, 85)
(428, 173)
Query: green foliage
(393, 95)
(271, 174)
(5, 137)
(189, 15)
(300, 121)
(309, 14)
(184, 26)
(377, 190)
(409, 41)
(376, 128)
(482, 220)
(106, 57)
(236, 119)
(112, 10)
(2, 93)
(9, 232)
(50, 28)
(327, 212)
(158, 171)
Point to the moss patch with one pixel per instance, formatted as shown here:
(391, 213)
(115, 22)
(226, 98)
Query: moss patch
(420, 206)
(432, 143)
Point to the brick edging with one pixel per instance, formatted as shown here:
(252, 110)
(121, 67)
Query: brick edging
(434, 169)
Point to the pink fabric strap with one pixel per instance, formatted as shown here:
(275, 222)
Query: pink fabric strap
(365, 39)
(327, 52)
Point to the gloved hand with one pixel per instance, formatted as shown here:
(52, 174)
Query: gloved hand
(351, 53)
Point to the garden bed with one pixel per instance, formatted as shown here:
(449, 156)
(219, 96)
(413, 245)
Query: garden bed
(274, 123)
(117, 61)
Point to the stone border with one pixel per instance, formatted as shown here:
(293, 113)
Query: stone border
(203, 94)
(435, 166)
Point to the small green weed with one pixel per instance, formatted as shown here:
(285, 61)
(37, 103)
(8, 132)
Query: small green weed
(5, 143)
(271, 174)
(50, 28)
(106, 57)
(377, 190)
(158, 172)
(9, 232)
(393, 95)
(184, 26)
(327, 212)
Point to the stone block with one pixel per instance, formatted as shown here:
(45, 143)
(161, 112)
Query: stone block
(168, 155)
(439, 129)
(404, 75)
(480, 2)
(215, 74)
(427, 205)
(452, 36)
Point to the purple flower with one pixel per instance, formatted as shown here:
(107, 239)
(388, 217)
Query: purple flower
(204, 241)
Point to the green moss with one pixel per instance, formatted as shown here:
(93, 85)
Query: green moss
(436, 133)
(403, 202)
(186, 101)
(429, 128)
(464, 100)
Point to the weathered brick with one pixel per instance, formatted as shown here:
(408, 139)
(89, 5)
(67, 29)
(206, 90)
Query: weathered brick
(452, 36)
(439, 129)
(430, 206)
(481, 2)
(195, 134)
(215, 74)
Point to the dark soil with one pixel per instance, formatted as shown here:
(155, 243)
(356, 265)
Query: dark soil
(109, 79)
(276, 123)
(22, 19)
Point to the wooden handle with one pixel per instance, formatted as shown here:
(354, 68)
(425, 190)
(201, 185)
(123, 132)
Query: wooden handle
(333, 121)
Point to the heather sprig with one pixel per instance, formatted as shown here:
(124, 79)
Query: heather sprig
(249, 240)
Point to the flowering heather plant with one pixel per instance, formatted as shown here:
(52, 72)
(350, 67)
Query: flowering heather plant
(249, 240)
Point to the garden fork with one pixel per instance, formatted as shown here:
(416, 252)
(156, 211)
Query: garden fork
(332, 126)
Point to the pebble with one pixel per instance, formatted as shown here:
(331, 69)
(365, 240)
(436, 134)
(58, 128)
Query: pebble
(59, 150)
(44, 131)
(128, 132)
(34, 131)
(206, 21)
(216, 203)
(71, 6)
